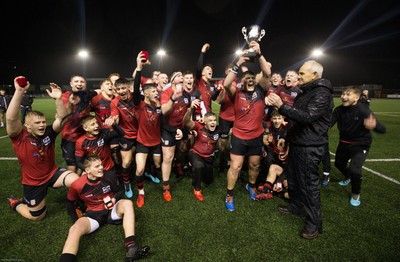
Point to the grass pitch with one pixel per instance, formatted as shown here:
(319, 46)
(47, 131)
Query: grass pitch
(188, 230)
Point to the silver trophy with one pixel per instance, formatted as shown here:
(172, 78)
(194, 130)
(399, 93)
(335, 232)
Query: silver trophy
(252, 33)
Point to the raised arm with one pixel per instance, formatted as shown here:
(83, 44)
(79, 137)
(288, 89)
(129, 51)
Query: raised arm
(14, 125)
(167, 107)
(136, 84)
(232, 74)
(200, 61)
(61, 110)
(187, 119)
(264, 65)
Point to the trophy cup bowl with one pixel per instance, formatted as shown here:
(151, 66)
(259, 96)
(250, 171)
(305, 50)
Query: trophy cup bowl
(252, 33)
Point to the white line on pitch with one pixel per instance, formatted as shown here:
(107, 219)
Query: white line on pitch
(385, 114)
(1, 137)
(382, 175)
(8, 158)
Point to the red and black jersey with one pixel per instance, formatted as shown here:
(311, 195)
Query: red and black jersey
(100, 105)
(145, 80)
(36, 156)
(175, 117)
(226, 110)
(277, 133)
(125, 109)
(98, 145)
(188, 97)
(206, 90)
(289, 94)
(205, 141)
(94, 193)
(149, 119)
(72, 129)
(249, 113)
(274, 89)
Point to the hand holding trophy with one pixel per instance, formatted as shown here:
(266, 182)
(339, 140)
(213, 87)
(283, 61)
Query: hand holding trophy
(252, 33)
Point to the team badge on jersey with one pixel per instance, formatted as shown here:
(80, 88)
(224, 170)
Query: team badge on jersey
(100, 142)
(46, 140)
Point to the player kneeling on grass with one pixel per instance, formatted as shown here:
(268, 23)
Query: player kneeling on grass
(276, 184)
(201, 155)
(98, 188)
(355, 122)
(34, 148)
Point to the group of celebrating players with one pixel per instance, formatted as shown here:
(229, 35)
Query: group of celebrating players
(148, 127)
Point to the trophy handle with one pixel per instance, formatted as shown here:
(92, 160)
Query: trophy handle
(262, 34)
(244, 32)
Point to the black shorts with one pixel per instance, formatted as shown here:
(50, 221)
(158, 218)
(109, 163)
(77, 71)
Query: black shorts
(249, 147)
(126, 144)
(168, 138)
(114, 141)
(33, 195)
(102, 217)
(224, 127)
(155, 150)
(68, 152)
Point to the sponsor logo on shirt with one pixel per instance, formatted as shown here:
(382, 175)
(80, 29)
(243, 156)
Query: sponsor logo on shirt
(100, 142)
(106, 189)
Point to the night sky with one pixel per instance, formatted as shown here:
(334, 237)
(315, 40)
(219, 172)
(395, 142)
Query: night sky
(40, 39)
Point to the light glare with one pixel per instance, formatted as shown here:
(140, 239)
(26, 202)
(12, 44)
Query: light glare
(317, 53)
(238, 52)
(83, 54)
(161, 52)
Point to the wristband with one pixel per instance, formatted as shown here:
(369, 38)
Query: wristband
(259, 55)
(235, 69)
(173, 101)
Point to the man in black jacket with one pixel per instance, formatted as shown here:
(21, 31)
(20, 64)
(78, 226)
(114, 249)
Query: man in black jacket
(311, 114)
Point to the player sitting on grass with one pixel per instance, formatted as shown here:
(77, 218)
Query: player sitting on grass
(276, 183)
(98, 188)
(34, 147)
(275, 147)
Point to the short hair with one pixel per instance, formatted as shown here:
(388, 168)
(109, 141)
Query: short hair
(89, 160)
(248, 72)
(113, 74)
(204, 66)
(188, 72)
(122, 81)
(86, 119)
(35, 113)
(105, 80)
(275, 113)
(77, 75)
(316, 67)
(208, 114)
(276, 73)
(354, 89)
(293, 70)
(148, 85)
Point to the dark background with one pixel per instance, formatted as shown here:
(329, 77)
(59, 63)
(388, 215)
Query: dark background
(40, 39)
